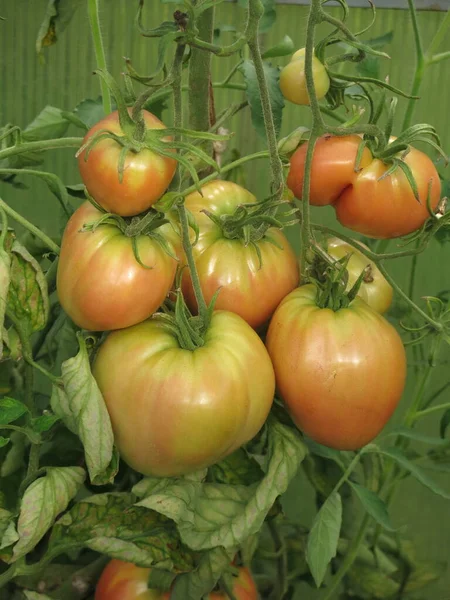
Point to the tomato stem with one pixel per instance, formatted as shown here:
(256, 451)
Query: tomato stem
(23, 147)
(94, 21)
(256, 10)
(32, 228)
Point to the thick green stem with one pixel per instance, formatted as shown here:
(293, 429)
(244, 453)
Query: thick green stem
(94, 20)
(420, 66)
(69, 142)
(7, 575)
(200, 74)
(32, 228)
(256, 10)
(187, 247)
(350, 557)
(282, 561)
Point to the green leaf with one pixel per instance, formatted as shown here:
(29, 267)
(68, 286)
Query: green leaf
(81, 407)
(374, 505)
(57, 16)
(5, 277)
(42, 502)
(416, 471)
(445, 422)
(276, 97)
(49, 124)
(3, 441)
(44, 423)
(237, 469)
(30, 595)
(412, 434)
(11, 410)
(160, 579)
(423, 574)
(269, 17)
(368, 582)
(8, 533)
(110, 524)
(380, 41)
(324, 536)
(28, 295)
(283, 48)
(14, 459)
(200, 582)
(210, 515)
(90, 111)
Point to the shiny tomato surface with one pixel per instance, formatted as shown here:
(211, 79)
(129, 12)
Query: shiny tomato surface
(250, 287)
(124, 581)
(173, 410)
(341, 374)
(100, 283)
(375, 290)
(385, 207)
(333, 168)
(369, 200)
(146, 175)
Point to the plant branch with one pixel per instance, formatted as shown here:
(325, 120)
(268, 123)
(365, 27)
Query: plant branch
(32, 228)
(68, 142)
(94, 21)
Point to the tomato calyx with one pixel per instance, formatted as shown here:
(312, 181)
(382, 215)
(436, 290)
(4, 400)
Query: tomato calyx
(330, 277)
(250, 222)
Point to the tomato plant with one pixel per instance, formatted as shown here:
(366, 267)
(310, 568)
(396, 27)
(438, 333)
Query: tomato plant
(101, 285)
(375, 290)
(252, 278)
(189, 409)
(124, 581)
(146, 175)
(340, 373)
(369, 199)
(293, 82)
(158, 416)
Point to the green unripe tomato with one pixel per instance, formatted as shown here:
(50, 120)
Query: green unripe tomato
(293, 81)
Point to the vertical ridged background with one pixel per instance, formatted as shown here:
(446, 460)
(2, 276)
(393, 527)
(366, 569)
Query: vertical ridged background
(27, 85)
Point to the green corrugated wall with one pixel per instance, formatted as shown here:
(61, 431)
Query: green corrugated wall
(27, 85)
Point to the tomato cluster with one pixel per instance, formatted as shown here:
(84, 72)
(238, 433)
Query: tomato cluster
(124, 581)
(367, 198)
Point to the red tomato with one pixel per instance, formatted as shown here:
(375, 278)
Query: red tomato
(341, 374)
(124, 581)
(146, 175)
(387, 208)
(174, 411)
(100, 284)
(249, 288)
(364, 201)
(333, 168)
(375, 290)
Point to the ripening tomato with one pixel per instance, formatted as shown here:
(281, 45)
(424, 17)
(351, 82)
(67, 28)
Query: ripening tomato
(385, 207)
(124, 581)
(146, 175)
(175, 410)
(249, 287)
(340, 373)
(293, 81)
(368, 201)
(375, 290)
(100, 283)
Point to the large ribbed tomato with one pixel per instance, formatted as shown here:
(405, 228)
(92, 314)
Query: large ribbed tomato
(368, 201)
(375, 290)
(146, 175)
(340, 373)
(100, 283)
(175, 410)
(249, 287)
(124, 581)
